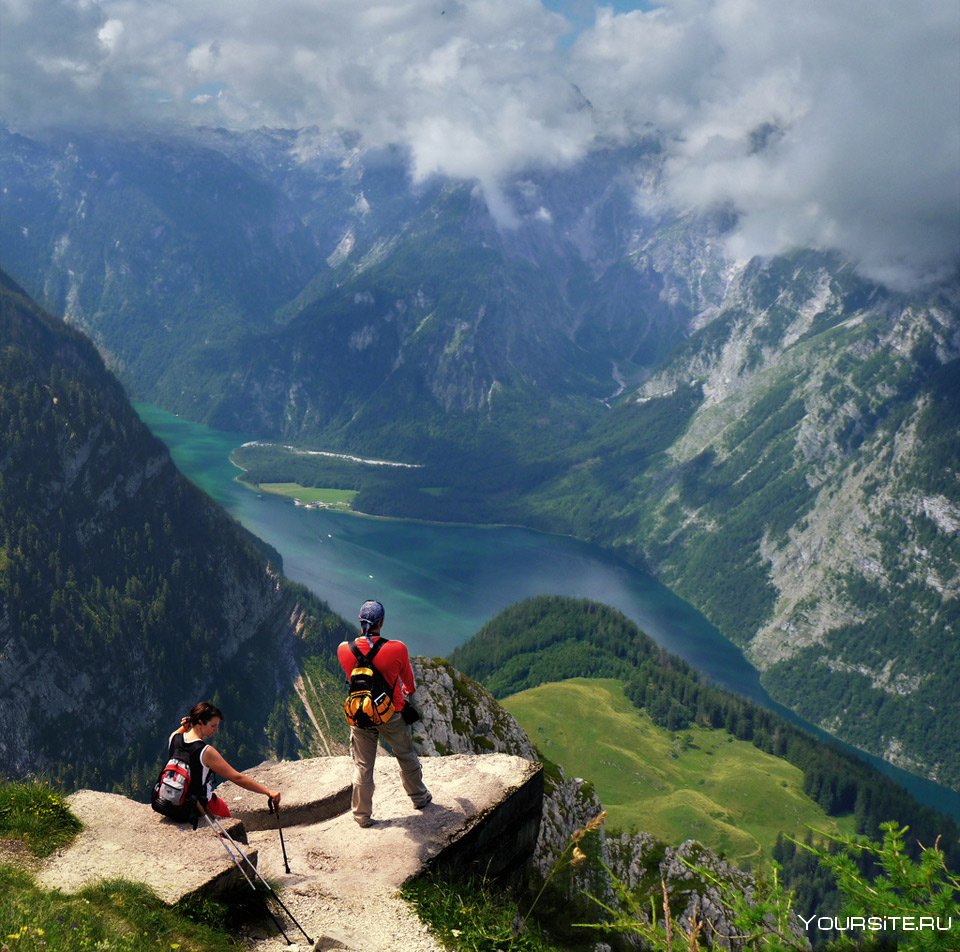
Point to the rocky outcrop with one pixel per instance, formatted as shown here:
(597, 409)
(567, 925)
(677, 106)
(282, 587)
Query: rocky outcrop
(690, 874)
(484, 816)
(460, 715)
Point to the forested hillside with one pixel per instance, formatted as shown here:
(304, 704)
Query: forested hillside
(125, 593)
(810, 504)
(549, 639)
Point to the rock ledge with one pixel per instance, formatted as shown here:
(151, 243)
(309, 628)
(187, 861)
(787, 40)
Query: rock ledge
(485, 814)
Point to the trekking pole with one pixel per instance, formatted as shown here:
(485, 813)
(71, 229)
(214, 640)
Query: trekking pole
(223, 836)
(256, 872)
(275, 809)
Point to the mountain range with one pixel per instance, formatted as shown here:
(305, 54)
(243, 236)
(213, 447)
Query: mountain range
(775, 438)
(126, 593)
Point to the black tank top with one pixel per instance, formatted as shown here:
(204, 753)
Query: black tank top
(190, 751)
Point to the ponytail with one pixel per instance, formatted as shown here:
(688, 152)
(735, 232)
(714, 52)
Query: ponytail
(203, 712)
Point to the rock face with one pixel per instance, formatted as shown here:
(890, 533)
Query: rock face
(459, 716)
(484, 815)
(816, 478)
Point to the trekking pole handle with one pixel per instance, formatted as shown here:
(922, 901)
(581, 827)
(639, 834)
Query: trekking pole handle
(272, 805)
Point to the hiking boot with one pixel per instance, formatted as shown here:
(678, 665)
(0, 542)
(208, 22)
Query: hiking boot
(420, 804)
(365, 821)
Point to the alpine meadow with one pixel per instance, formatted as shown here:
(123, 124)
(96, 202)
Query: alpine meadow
(609, 272)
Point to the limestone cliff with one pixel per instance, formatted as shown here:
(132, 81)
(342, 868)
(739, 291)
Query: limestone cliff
(811, 507)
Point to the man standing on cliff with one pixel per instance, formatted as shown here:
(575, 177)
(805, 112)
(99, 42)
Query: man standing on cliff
(392, 660)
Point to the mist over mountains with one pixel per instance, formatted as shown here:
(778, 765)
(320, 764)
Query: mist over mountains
(775, 438)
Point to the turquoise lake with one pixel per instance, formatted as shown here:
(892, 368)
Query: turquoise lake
(440, 583)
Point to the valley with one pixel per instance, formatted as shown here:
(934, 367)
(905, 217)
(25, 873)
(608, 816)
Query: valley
(266, 621)
(696, 783)
(773, 439)
(614, 347)
(447, 580)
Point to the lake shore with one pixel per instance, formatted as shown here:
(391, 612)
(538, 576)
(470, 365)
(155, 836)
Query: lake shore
(443, 581)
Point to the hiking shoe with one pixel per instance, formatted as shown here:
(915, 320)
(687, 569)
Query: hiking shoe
(423, 803)
(365, 821)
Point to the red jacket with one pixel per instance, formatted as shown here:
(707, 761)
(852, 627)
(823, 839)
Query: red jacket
(392, 661)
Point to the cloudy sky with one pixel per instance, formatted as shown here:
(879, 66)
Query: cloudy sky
(831, 123)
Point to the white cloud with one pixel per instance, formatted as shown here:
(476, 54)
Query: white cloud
(110, 33)
(828, 123)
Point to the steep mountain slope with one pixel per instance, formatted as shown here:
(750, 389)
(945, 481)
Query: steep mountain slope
(303, 287)
(449, 331)
(810, 504)
(428, 347)
(151, 245)
(125, 593)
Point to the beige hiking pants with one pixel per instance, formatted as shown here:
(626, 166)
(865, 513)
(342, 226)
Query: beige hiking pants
(363, 748)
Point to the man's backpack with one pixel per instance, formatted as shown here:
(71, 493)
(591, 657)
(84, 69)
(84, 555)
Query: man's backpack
(370, 699)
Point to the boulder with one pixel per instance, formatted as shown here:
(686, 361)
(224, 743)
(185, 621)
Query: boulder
(123, 839)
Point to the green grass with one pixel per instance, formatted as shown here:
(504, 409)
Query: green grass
(115, 916)
(112, 915)
(696, 784)
(474, 915)
(38, 815)
(332, 498)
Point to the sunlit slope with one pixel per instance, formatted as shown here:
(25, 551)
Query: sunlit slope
(697, 783)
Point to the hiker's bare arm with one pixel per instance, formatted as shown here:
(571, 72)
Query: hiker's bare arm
(214, 760)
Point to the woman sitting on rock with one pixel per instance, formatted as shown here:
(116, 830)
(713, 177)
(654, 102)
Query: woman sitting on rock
(185, 782)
